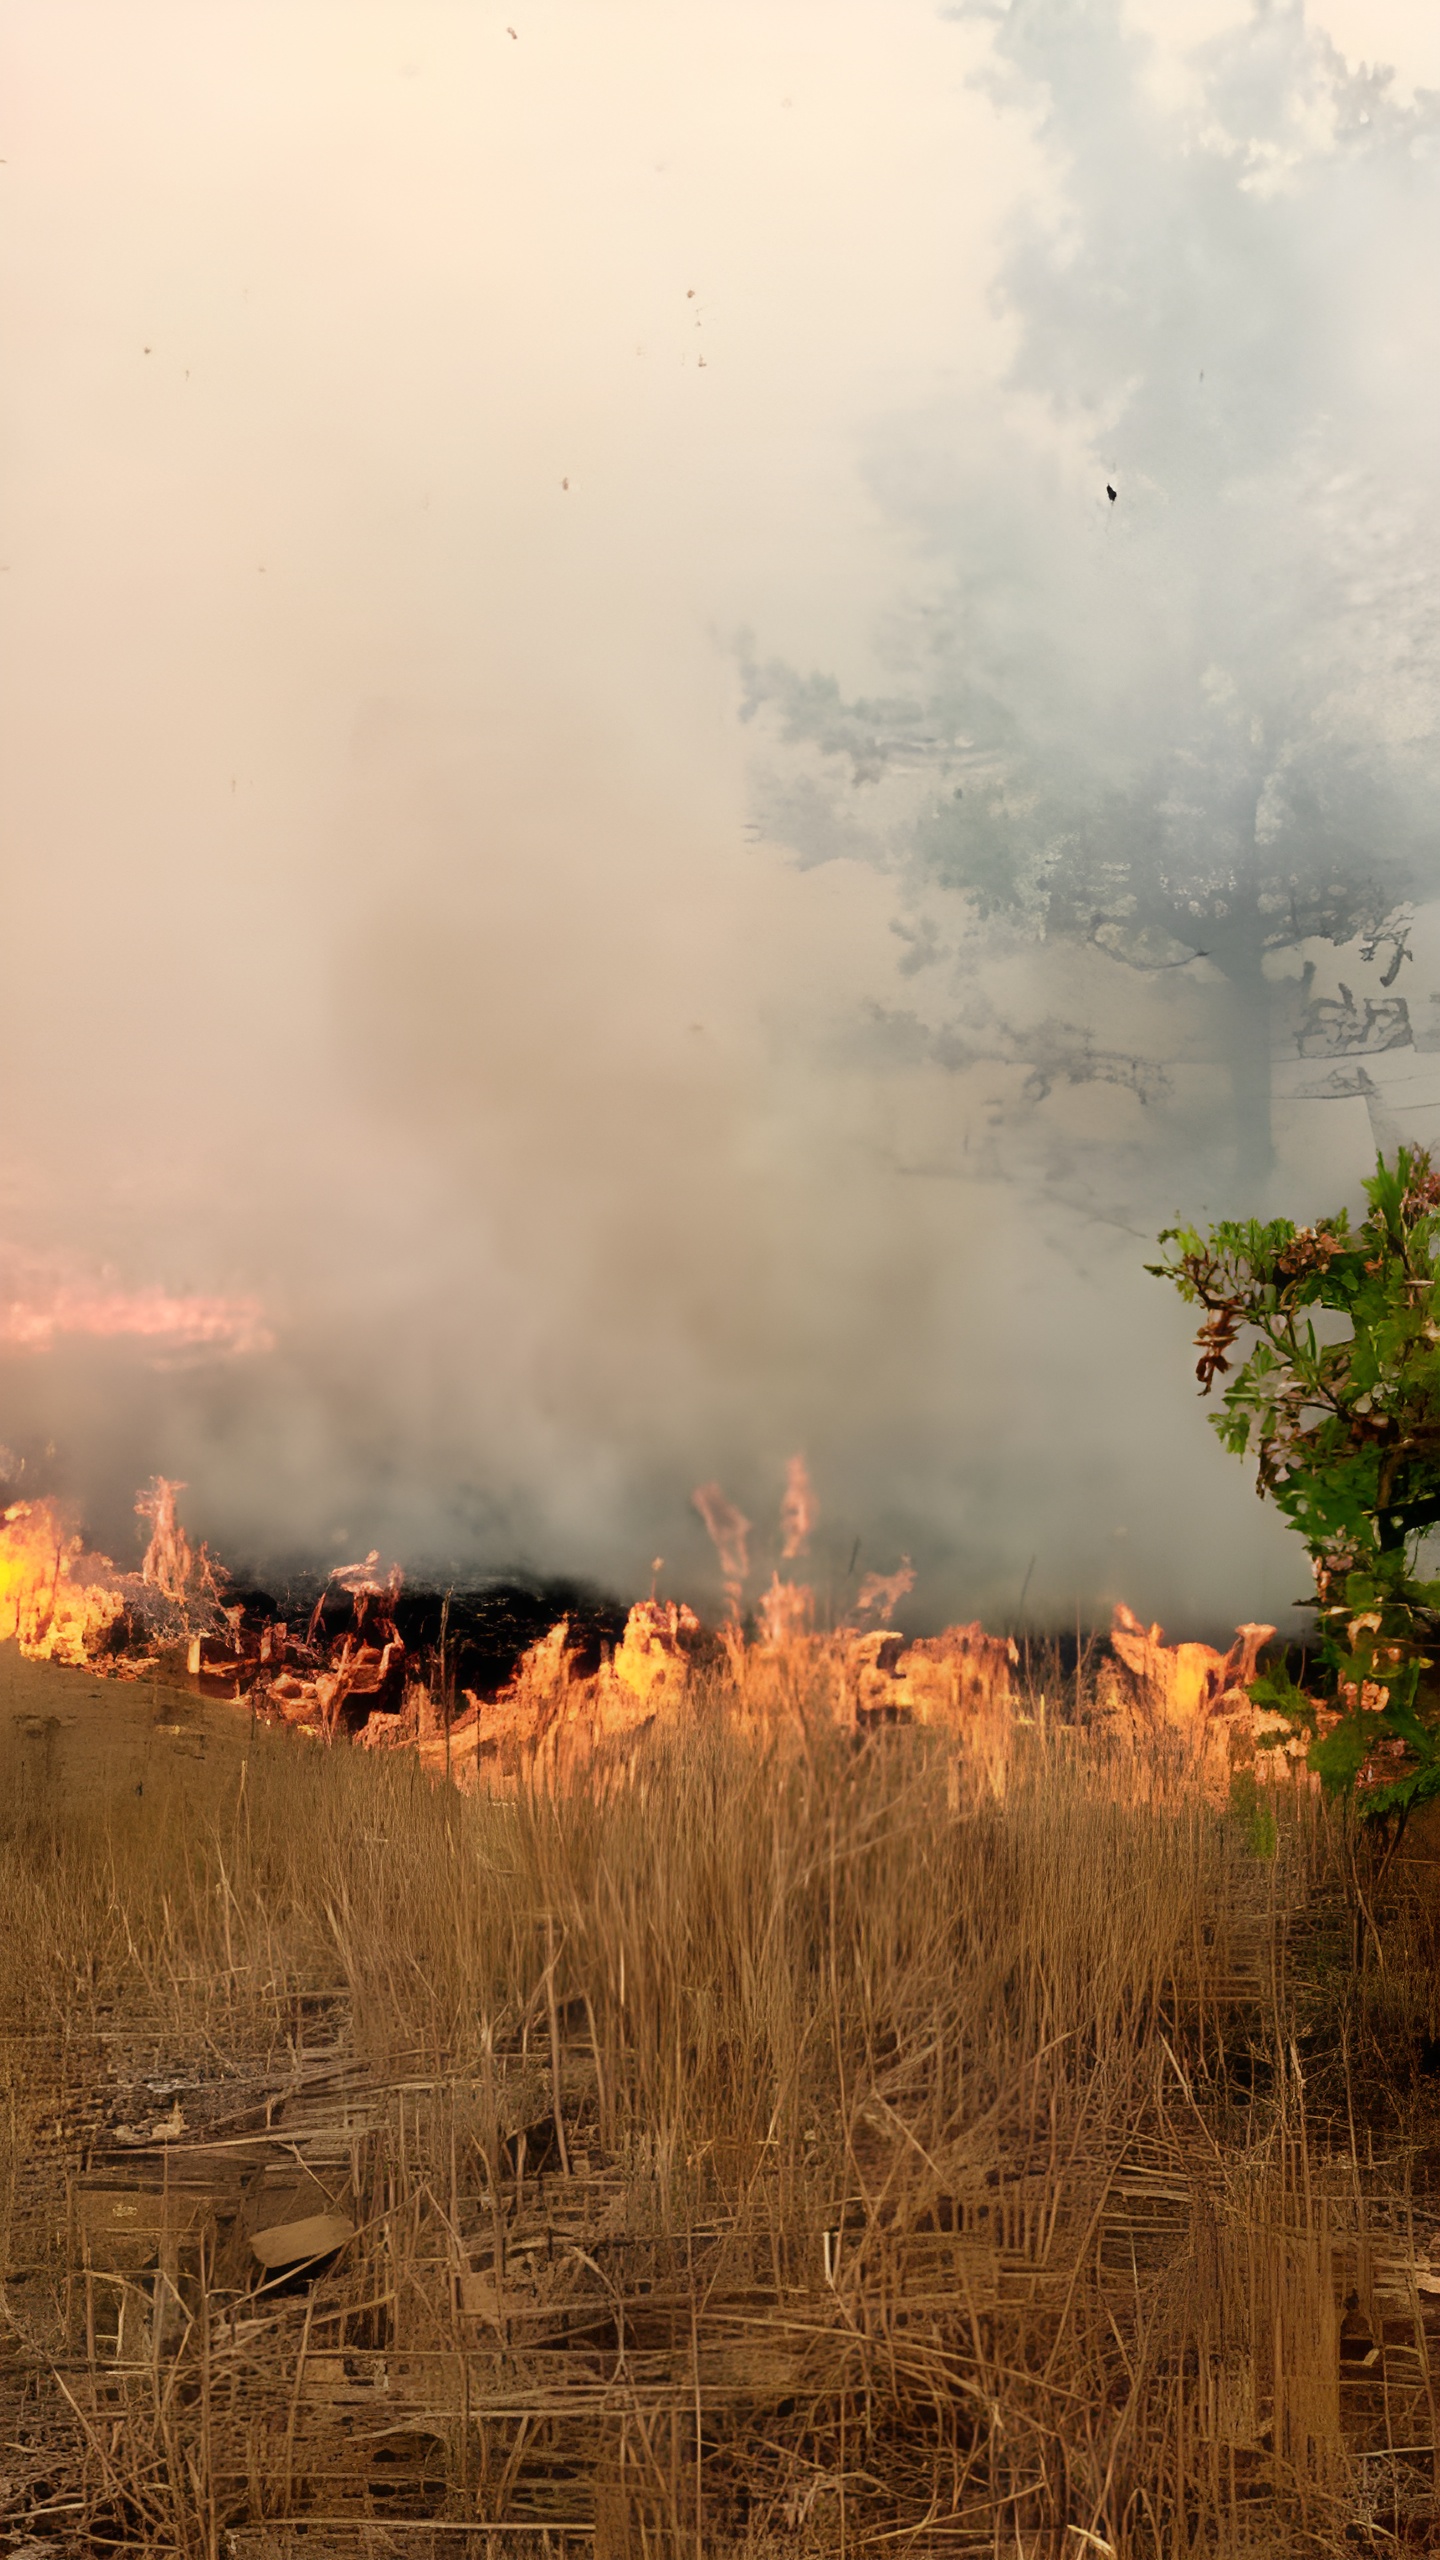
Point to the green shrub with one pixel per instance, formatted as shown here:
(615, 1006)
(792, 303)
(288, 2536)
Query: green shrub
(1343, 1419)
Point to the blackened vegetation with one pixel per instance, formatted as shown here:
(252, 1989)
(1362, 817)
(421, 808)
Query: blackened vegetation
(487, 1628)
(467, 1638)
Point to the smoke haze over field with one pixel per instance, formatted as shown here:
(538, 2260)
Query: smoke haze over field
(594, 1090)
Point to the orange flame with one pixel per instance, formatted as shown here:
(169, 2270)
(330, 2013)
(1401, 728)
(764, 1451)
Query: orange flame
(730, 1531)
(799, 1511)
(785, 1612)
(883, 1591)
(1186, 1679)
(169, 1561)
(55, 1615)
(35, 1320)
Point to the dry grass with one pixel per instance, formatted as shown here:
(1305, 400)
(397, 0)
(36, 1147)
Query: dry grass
(749, 2150)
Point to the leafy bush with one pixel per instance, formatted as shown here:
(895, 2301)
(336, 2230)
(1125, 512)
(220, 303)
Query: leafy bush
(1343, 1418)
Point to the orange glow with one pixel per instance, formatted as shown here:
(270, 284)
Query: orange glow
(47, 1599)
(1186, 1679)
(799, 1511)
(730, 1531)
(35, 1318)
(884, 1591)
(785, 1611)
(169, 1560)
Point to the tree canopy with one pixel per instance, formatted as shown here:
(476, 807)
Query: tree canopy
(1188, 727)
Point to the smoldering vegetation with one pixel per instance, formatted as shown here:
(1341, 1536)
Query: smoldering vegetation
(769, 2140)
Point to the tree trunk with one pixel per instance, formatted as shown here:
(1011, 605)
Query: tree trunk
(1241, 954)
(1249, 1059)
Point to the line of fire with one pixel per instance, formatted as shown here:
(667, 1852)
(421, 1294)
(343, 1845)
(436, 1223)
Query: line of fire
(492, 1691)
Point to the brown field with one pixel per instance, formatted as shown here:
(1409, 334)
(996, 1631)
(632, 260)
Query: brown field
(758, 2143)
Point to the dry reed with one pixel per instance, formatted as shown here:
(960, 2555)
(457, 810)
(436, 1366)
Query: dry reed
(747, 2149)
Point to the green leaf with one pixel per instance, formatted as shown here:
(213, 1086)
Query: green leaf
(1338, 1758)
(1398, 1795)
(1276, 1690)
(1402, 1720)
(1342, 1422)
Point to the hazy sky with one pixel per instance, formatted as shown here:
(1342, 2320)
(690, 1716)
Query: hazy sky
(402, 416)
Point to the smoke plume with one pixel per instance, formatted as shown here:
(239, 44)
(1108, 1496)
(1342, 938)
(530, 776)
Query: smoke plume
(439, 1117)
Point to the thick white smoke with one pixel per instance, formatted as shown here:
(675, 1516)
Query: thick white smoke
(385, 941)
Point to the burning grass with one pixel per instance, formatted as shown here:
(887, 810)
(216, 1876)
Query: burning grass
(750, 2141)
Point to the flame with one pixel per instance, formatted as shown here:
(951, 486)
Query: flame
(730, 1531)
(785, 1611)
(799, 1511)
(882, 1591)
(1199, 1699)
(652, 1656)
(555, 1714)
(1186, 1679)
(169, 1561)
(47, 1599)
(34, 1320)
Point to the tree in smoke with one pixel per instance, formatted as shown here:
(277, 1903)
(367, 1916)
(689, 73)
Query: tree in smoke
(1172, 703)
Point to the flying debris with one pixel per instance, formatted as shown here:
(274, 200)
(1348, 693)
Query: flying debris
(1110, 493)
